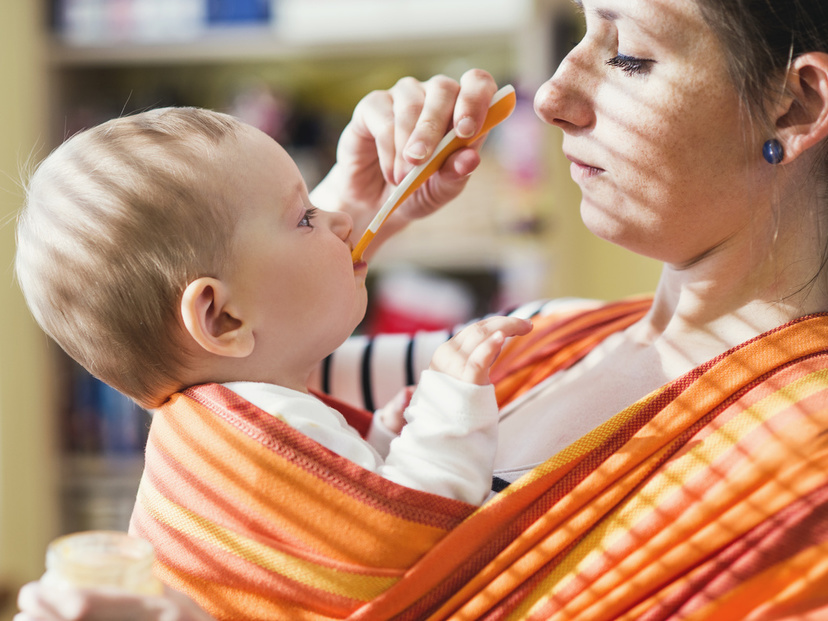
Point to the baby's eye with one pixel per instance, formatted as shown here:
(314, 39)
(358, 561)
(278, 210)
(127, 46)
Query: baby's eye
(308, 217)
(631, 65)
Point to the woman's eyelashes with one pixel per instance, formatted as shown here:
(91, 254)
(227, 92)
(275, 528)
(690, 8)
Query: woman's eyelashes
(308, 217)
(630, 64)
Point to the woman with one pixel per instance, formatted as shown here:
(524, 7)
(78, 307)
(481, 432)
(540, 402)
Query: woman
(688, 474)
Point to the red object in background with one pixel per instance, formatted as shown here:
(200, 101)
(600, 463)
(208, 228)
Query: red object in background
(388, 320)
(411, 301)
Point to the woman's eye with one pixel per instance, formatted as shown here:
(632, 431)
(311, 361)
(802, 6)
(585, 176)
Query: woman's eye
(308, 217)
(630, 65)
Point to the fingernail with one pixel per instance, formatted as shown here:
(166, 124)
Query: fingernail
(466, 127)
(416, 151)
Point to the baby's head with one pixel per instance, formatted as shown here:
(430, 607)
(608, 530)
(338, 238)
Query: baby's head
(117, 221)
(178, 247)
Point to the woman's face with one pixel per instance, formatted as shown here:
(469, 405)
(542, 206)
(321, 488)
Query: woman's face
(663, 155)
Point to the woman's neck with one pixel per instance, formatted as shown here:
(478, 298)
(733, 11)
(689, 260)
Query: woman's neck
(736, 293)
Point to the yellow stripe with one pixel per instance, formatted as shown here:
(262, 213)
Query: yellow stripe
(354, 586)
(670, 478)
(579, 448)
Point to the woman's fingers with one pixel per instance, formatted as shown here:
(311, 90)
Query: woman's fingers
(404, 124)
(439, 95)
(477, 87)
(39, 602)
(370, 136)
(393, 131)
(446, 103)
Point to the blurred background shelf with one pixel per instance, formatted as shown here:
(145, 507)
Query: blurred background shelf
(286, 29)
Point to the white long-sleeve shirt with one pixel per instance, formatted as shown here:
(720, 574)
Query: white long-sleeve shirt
(447, 446)
(368, 371)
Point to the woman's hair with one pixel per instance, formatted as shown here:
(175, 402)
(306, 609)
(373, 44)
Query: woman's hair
(761, 37)
(116, 222)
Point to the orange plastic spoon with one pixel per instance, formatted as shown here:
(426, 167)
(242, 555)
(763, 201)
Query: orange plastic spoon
(501, 106)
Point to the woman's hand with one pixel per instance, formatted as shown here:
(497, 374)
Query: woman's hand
(393, 131)
(38, 603)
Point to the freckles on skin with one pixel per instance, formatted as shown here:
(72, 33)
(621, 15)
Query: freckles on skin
(673, 141)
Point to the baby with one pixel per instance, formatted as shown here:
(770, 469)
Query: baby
(179, 247)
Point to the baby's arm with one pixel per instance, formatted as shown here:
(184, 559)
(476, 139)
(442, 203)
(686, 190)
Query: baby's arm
(449, 443)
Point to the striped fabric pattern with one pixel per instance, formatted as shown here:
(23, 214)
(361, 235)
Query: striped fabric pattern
(256, 521)
(706, 500)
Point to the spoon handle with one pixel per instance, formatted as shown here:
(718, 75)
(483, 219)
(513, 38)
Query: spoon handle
(501, 106)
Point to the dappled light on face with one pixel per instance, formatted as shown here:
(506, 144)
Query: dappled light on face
(654, 128)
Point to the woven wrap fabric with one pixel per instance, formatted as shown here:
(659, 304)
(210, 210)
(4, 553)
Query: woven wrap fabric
(708, 499)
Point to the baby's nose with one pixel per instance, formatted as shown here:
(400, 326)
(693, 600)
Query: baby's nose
(342, 225)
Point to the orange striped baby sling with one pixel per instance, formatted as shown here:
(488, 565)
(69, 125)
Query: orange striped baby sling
(708, 499)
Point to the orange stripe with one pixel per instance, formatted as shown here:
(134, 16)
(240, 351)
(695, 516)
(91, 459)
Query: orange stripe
(556, 344)
(356, 582)
(717, 472)
(334, 471)
(775, 542)
(719, 504)
(666, 426)
(222, 583)
(686, 406)
(793, 588)
(244, 494)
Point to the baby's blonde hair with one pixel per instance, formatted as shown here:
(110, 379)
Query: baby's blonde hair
(116, 222)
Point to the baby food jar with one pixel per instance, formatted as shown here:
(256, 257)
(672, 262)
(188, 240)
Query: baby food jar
(102, 559)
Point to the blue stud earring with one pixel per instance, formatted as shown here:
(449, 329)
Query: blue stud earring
(772, 151)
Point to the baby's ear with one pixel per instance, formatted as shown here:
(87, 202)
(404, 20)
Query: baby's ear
(209, 318)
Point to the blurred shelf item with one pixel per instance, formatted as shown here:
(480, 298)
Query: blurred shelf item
(308, 22)
(103, 435)
(110, 32)
(98, 491)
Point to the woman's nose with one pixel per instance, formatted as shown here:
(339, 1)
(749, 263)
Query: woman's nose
(563, 99)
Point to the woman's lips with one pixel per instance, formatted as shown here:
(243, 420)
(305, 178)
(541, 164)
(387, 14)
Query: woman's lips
(582, 170)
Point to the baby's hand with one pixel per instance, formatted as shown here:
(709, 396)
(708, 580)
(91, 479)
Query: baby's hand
(469, 354)
(392, 413)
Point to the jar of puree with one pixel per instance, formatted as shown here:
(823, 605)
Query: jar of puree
(102, 559)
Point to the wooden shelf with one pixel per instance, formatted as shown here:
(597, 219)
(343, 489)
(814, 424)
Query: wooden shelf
(317, 28)
(252, 44)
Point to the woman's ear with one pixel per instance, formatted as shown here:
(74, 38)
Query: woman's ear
(209, 318)
(802, 122)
